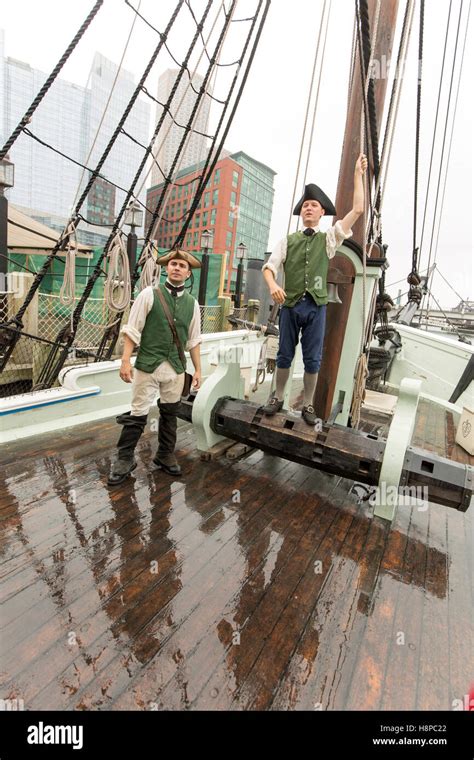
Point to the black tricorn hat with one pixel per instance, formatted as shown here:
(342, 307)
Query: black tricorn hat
(314, 193)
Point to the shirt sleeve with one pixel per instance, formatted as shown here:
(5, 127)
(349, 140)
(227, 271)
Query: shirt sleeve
(277, 257)
(334, 237)
(194, 332)
(138, 313)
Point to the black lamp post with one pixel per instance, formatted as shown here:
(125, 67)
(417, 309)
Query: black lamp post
(133, 219)
(207, 240)
(241, 254)
(7, 177)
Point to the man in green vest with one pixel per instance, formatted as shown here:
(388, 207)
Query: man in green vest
(158, 367)
(305, 256)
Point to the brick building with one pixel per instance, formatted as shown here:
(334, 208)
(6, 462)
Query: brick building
(236, 205)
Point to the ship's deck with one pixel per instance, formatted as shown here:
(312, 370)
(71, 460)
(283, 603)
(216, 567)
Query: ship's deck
(249, 584)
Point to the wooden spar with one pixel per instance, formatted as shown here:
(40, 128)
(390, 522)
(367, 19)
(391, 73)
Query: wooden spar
(337, 314)
(335, 449)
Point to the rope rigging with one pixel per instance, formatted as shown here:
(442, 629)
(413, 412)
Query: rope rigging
(17, 319)
(213, 152)
(413, 278)
(438, 213)
(66, 336)
(49, 81)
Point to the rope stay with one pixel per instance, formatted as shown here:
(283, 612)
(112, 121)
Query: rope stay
(27, 116)
(17, 319)
(116, 271)
(437, 214)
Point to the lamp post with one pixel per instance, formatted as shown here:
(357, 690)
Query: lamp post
(207, 240)
(241, 254)
(133, 219)
(7, 177)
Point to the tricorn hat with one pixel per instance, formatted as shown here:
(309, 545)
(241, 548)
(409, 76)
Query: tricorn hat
(314, 193)
(178, 253)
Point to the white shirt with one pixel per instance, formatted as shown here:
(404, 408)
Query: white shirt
(142, 307)
(334, 237)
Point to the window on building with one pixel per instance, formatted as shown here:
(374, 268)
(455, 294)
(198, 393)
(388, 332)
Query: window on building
(215, 196)
(213, 216)
(228, 239)
(205, 215)
(235, 179)
(217, 176)
(230, 222)
(207, 197)
(197, 219)
(233, 198)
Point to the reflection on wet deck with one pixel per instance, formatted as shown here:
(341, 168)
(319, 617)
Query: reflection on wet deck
(256, 584)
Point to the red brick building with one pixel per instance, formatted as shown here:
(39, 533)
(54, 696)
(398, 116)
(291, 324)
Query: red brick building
(235, 205)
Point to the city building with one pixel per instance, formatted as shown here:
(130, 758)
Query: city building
(236, 206)
(46, 184)
(171, 134)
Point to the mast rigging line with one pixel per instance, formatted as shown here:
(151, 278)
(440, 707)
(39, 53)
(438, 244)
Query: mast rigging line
(448, 108)
(305, 125)
(451, 138)
(26, 118)
(106, 108)
(219, 65)
(393, 108)
(17, 319)
(177, 63)
(210, 163)
(417, 136)
(163, 105)
(50, 370)
(435, 130)
(169, 179)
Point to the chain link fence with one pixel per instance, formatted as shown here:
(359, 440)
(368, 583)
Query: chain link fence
(45, 326)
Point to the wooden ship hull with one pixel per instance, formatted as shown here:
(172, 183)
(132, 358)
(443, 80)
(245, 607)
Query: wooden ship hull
(285, 570)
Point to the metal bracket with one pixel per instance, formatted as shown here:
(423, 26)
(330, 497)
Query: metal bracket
(226, 380)
(398, 440)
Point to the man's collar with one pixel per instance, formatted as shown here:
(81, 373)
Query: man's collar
(179, 289)
(316, 229)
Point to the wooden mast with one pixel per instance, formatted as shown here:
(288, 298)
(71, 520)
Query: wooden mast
(340, 268)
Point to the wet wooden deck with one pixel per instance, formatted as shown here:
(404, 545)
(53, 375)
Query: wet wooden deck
(257, 584)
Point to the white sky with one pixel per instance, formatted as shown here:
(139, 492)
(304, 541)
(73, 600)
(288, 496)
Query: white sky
(269, 121)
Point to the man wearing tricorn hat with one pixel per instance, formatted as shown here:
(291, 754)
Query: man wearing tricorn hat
(158, 366)
(305, 258)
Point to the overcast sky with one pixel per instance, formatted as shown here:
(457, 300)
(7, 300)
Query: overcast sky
(269, 122)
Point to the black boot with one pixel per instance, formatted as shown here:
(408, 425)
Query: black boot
(165, 457)
(125, 463)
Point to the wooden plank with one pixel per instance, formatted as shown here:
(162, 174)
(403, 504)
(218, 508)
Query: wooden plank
(230, 677)
(313, 674)
(400, 691)
(460, 605)
(433, 673)
(205, 634)
(365, 689)
(98, 637)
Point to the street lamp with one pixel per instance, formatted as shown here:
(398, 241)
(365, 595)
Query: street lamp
(207, 241)
(7, 178)
(241, 254)
(133, 219)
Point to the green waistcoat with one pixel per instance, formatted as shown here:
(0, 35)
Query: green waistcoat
(157, 344)
(306, 268)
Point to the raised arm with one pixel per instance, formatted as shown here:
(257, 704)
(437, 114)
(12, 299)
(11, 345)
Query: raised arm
(358, 200)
